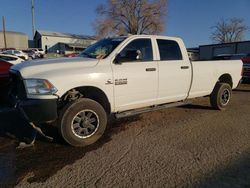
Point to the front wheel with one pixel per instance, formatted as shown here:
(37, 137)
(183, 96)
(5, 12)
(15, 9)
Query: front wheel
(82, 122)
(221, 96)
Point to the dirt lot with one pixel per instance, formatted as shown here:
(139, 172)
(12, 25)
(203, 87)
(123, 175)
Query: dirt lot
(192, 146)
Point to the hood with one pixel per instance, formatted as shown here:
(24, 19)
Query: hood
(45, 66)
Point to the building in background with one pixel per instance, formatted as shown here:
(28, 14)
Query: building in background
(215, 50)
(15, 40)
(193, 54)
(62, 42)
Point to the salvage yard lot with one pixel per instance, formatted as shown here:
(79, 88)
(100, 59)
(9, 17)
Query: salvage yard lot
(192, 146)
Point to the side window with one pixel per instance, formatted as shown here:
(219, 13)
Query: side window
(138, 50)
(169, 50)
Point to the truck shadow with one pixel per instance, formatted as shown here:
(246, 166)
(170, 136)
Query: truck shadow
(44, 159)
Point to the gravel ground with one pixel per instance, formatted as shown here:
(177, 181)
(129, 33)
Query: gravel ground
(191, 146)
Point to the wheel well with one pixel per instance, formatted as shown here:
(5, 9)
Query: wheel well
(226, 78)
(90, 92)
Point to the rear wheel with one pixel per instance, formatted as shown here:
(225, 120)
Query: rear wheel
(221, 96)
(82, 122)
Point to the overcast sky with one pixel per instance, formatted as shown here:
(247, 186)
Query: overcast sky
(188, 19)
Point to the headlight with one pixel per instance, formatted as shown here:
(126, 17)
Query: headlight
(39, 87)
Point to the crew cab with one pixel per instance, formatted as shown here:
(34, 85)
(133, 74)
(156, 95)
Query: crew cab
(120, 76)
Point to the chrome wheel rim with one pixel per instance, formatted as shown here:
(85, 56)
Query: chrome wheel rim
(85, 124)
(225, 97)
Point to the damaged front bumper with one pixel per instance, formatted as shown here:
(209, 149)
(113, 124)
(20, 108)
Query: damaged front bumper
(37, 110)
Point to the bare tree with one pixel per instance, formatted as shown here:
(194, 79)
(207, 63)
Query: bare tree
(231, 30)
(119, 17)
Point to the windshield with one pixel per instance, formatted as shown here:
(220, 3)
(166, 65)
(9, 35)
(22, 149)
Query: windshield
(102, 48)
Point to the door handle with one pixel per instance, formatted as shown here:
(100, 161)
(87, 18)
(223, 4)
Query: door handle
(184, 67)
(150, 69)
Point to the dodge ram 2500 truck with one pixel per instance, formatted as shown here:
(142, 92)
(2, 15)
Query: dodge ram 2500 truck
(121, 76)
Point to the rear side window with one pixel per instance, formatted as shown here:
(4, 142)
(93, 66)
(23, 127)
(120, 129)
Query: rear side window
(169, 50)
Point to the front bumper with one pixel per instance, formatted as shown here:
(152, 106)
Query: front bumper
(36, 110)
(39, 110)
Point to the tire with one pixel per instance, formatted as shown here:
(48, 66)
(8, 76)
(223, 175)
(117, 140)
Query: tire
(82, 122)
(221, 96)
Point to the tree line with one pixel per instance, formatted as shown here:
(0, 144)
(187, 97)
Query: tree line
(122, 17)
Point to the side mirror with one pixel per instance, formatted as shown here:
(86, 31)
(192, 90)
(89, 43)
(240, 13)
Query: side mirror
(139, 55)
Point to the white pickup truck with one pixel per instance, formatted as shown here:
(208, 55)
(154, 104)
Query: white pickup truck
(122, 76)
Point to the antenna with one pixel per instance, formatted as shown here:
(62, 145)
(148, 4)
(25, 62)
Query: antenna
(33, 17)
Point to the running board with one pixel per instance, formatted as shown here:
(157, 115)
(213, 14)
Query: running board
(150, 109)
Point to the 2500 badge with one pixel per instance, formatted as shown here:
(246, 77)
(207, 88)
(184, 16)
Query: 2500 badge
(122, 81)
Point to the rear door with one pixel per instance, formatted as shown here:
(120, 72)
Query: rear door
(174, 72)
(135, 81)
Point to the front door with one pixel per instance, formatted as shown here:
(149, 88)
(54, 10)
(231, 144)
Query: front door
(135, 76)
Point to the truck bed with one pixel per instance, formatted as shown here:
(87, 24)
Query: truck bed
(206, 74)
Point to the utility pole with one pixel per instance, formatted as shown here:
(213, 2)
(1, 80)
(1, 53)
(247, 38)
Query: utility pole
(4, 33)
(33, 17)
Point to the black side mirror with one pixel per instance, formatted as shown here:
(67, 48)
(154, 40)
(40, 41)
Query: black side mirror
(139, 55)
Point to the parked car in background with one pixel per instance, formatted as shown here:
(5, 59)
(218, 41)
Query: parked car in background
(72, 54)
(39, 52)
(246, 58)
(17, 53)
(11, 58)
(5, 49)
(42, 52)
(246, 68)
(32, 54)
(4, 77)
(36, 52)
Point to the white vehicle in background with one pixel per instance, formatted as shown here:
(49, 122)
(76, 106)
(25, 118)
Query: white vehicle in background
(31, 54)
(120, 76)
(39, 52)
(42, 52)
(17, 53)
(11, 59)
